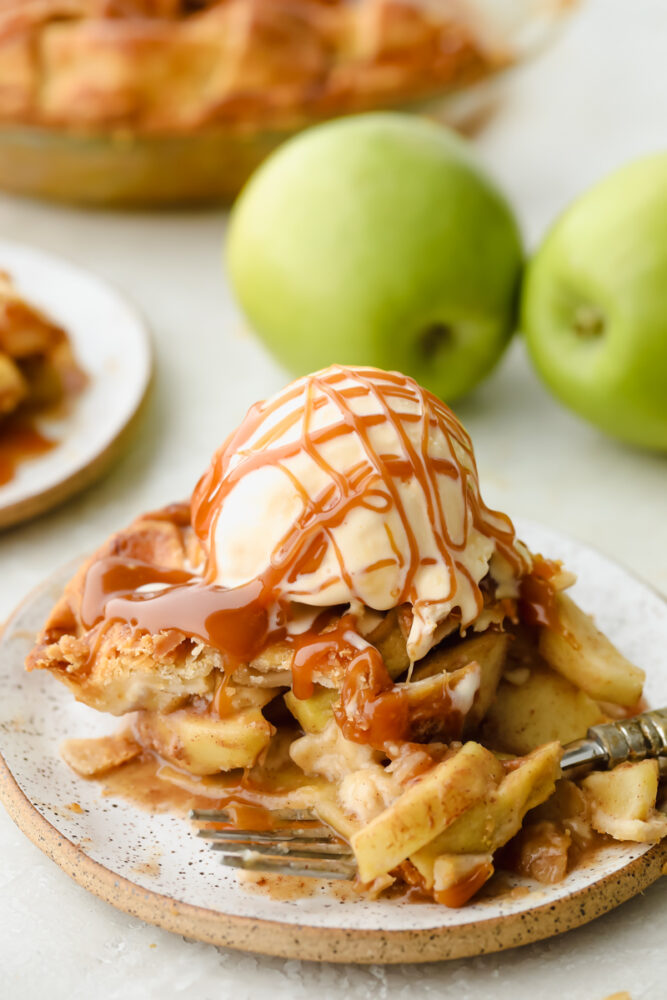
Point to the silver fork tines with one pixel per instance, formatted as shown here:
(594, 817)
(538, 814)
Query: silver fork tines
(278, 815)
(319, 850)
(319, 834)
(252, 861)
(312, 850)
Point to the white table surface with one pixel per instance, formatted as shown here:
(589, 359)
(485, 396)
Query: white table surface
(595, 100)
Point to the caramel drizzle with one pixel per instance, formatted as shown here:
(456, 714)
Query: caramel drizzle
(242, 621)
(20, 439)
(235, 621)
(371, 708)
(371, 483)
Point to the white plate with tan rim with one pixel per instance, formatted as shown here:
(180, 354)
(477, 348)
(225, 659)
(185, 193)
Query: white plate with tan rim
(152, 867)
(111, 343)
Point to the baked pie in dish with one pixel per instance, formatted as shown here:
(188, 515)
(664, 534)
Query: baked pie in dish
(338, 620)
(38, 370)
(181, 65)
(155, 101)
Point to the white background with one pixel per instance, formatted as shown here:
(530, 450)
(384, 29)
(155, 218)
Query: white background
(596, 99)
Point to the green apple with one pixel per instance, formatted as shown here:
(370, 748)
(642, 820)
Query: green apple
(594, 305)
(377, 240)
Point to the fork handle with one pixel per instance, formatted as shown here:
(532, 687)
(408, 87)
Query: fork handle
(641, 737)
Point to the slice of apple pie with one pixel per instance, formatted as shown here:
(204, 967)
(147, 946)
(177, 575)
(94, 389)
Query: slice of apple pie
(38, 370)
(338, 620)
(37, 364)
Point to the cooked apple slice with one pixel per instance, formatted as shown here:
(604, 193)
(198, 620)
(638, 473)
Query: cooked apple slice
(438, 705)
(545, 707)
(588, 659)
(489, 824)
(425, 809)
(313, 714)
(204, 744)
(13, 387)
(489, 650)
(623, 802)
(388, 638)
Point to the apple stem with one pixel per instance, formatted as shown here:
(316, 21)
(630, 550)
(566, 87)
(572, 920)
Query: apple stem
(588, 321)
(433, 338)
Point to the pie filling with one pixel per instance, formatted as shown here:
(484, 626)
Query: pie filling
(338, 621)
(38, 372)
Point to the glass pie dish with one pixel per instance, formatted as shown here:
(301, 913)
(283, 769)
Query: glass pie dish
(149, 158)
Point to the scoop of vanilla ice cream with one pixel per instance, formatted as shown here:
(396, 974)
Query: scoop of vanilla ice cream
(354, 485)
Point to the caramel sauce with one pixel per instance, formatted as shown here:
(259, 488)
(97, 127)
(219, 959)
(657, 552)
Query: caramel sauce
(320, 648)
(459, 894)
(537, 596)
(138, 782)
(155, 786)
(502, 886)
(291, 887)
(370, 709)
(437, 719)
(281, 888)
(235, 621)
(150, 784)
(222, 703)
(19, 440)
(540, 851)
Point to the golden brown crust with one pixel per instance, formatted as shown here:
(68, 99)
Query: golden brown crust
(178, 66)
(113, 668)
(116, 668)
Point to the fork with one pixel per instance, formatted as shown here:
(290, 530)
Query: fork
(299, 843)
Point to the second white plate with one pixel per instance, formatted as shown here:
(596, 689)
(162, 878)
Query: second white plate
(112, 345)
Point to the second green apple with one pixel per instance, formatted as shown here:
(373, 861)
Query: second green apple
(594, 304)
(378, 240)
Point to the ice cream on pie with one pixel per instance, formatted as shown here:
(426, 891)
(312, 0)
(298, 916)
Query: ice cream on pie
(359, 488)
(338, 592)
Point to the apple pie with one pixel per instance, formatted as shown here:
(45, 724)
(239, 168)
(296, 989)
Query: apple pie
(338, 620)
(38, 371)
(37, 363)
(178, 66)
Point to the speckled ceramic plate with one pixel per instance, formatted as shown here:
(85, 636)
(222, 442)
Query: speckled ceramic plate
(111, 343)
(152, 867)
